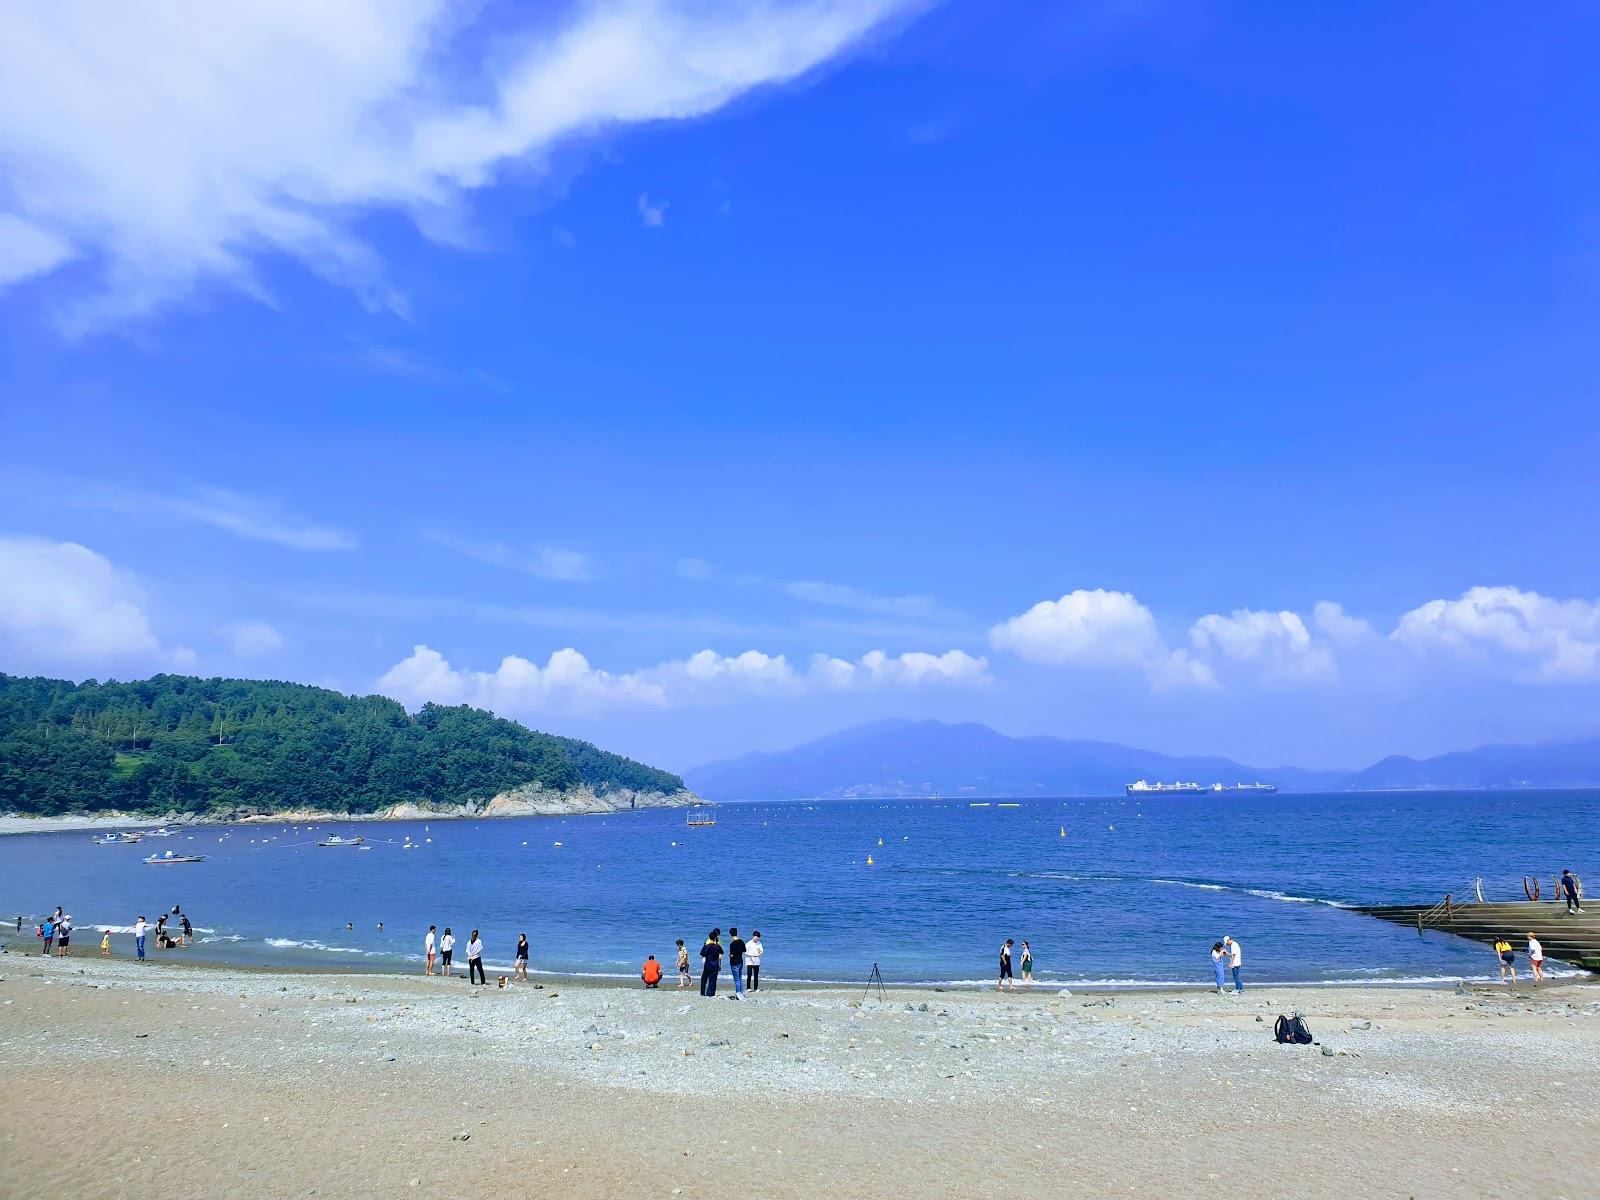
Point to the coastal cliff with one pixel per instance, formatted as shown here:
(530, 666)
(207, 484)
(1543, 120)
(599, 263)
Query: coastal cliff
(529, 800)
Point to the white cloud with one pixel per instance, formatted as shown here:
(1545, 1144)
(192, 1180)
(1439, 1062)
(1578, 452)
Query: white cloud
(841, 595)
(652, 213)
(250, 639)
(1275, 646)
(1522, 634)
(569, 681)
(546, 562)
(61, 603)
(1098, 629)
(172, 144)
(1338, 626)
(26, 250)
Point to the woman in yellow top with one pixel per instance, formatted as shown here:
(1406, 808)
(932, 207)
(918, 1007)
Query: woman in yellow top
(1508, 959)
(105, 945)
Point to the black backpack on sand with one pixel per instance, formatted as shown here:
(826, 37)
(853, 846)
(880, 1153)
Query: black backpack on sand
(1292, 1030)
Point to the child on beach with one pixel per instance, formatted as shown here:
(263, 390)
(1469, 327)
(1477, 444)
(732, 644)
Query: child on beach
(105, 944)
(683, 965)
(522, 957)
(1027, 964)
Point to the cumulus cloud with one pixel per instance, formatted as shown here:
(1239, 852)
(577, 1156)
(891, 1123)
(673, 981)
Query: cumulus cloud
(253, 638)
(61, 603)
(170, 144)
(1098, 628)
(1275, 646)
(1339, 626)
(1523, 634)
(569, 681)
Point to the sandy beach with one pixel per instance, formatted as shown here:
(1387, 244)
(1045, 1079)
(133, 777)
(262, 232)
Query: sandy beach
(182, 1080)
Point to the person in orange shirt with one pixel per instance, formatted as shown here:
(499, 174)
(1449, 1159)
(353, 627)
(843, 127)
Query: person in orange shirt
(651, 972)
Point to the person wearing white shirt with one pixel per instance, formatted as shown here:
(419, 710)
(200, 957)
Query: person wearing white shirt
(427, 950)
(447, 944)
(752, 962)
(138, 936)
(475, 960)
(1536, 959)
(1235, 961)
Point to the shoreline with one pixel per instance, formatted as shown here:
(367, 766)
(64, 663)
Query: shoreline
(22, 947)
(800, 1092)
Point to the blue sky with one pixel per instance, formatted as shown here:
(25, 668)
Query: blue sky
(1197, 376)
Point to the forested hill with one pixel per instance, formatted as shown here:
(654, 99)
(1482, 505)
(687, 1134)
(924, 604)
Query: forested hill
(177, 743)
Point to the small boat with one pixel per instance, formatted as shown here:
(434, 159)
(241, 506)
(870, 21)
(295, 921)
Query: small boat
(1008, 806)
(169, 858)
(701, 822)
(336, 840)
(109, 839)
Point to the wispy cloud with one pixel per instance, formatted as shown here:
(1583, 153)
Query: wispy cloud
(166, 145)
(824, 594)
(244, 516)
(545, 562)
(652, 212)
(407, 364)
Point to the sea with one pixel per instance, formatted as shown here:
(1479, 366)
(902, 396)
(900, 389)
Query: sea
(1111, 892)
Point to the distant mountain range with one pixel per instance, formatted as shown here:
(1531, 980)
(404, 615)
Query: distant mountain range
(921, 758)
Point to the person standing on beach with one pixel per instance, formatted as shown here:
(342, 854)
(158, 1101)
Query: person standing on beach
(683, 965)
(711, 967)
(427, 950)
(447, 943)
(188, 929)
(1219, 965)
(1536, 958)
(521, 971)
(1571, 892)
(138, 937)
(1027, 965)
(475, 960)
(736, 962)
(63, 936)
(1235, 961)
(48, 932)
(1508, 959)
(1006, 977)
(752, 962)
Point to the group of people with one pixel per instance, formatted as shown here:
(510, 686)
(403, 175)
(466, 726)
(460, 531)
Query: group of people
(172, 931)
(1024, 965)
(439, 948)
(1508, 959)
(743, 959)
(1227, 959)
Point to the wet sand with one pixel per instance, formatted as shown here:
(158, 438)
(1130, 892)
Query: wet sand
(186, 1081)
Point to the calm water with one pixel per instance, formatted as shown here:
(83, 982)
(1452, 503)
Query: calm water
(1142, 901)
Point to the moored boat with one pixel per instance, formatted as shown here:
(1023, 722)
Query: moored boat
(171, 859)
(336, 840)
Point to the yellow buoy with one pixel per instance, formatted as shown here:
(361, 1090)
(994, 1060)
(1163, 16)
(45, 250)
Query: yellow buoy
(869, 860)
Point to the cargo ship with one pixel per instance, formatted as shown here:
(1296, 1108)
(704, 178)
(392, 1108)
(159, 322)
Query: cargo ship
(1141, 788)
(1264, 789)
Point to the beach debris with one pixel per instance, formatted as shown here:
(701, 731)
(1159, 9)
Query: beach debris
(1327, 1052)
(1360, 1024)
(461, 1137)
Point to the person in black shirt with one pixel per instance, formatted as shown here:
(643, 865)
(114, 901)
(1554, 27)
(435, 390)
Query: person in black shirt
(736, 962)
(711, 952)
